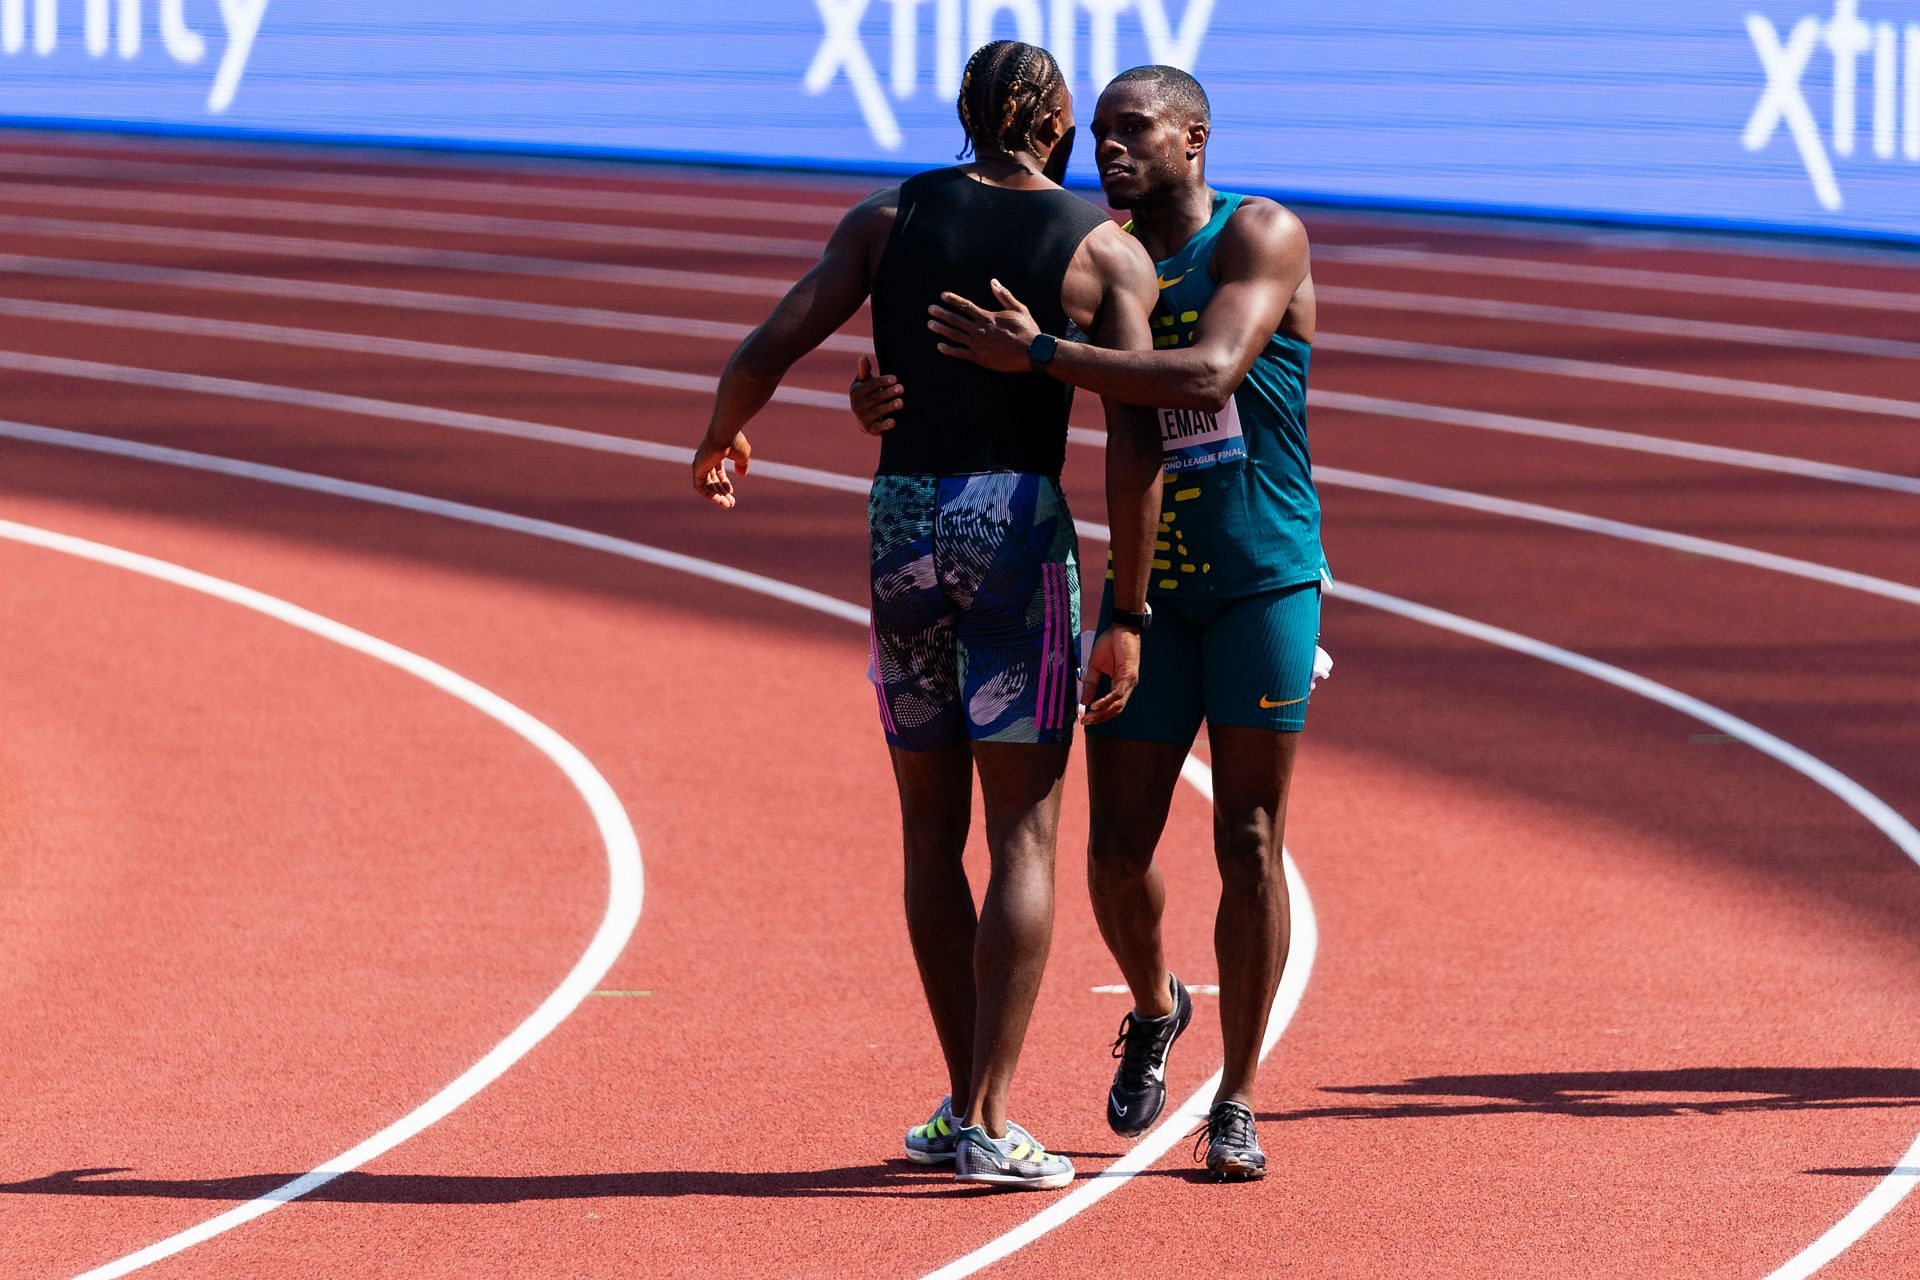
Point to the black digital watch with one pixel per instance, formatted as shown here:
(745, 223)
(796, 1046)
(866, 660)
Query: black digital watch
(1040, 350)
(1128, 618)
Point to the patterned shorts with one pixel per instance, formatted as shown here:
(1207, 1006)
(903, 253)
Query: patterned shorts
(976, 605)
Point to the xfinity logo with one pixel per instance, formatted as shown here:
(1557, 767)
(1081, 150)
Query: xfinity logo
(1848, 40)
(958, 27)
(121, 24)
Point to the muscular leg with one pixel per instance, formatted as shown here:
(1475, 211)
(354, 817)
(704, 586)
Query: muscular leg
(1252, 769)
(1020, 789)
(1129, 789)
(936, 807)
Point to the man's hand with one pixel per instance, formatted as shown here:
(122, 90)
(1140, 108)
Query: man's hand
(873, 397)
(710, 478)
(996, 340)
(1116, 655)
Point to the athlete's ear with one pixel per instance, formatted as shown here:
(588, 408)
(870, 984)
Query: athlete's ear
(1197, 134)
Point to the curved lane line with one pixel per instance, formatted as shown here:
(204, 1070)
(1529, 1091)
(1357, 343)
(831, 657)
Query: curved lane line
(781, 215)
(1617, 321)
(1631, 375)
(314, 248)
(438, 187)
(1880, 1202)
(1606, 438)
(426, 175)
(700, 384)
(813, 476)
(393, 218)
(1177, 1124)
(1898, 1184)
(1301, 920)
(723, 331)
(367, 295)
(1618, 277)
(625, 888)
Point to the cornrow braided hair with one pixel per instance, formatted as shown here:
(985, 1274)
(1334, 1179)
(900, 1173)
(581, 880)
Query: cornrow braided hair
(1003, 93)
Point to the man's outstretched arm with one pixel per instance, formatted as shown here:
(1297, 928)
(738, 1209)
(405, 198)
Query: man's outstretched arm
(819, 303)
(1262, 260)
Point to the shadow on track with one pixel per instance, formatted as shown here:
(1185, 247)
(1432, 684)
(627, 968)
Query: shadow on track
(1685, 1091)
(893, 1178)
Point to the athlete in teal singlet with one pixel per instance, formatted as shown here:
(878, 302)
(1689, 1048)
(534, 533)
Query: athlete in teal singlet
(1235, 593)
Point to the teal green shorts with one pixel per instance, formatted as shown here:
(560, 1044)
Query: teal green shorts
(1246, 661)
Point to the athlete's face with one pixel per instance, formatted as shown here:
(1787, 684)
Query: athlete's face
(1143, 148)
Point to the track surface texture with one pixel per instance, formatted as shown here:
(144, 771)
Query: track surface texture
(1601, 989)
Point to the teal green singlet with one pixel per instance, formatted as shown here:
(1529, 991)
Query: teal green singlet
(1240, 513)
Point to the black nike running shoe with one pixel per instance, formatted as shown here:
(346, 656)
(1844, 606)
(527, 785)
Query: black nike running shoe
(1233, 1148)
(1139, 1090)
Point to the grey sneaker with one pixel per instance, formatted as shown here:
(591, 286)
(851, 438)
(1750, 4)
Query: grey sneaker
(1233, 1148)
(932, 1142)
(1139, 1090)
(1013, 1161)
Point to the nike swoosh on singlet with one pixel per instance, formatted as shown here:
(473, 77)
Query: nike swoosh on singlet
(1168, 284)
(1266, 705)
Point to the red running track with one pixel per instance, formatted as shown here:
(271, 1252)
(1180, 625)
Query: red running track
(1599, 991)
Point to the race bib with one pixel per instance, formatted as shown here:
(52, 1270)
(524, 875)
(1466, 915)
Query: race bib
(1193, 438)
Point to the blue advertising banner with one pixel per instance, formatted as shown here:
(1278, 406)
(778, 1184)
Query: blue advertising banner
(1758, 113)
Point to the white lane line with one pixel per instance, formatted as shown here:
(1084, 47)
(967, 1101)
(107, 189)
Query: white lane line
(297, 211)
(722, 331)
(490, 191)
(601, 442)
(461, 511)
(1862, 1218)
(814, 477)
(1176, 1126)
(1620, 529)
(372, 344)
(1593, 370)
(1875, 1207)
(362, 253)
(1895, 1187)
(399, 299)
(700, 384)
(1304, 928)
(443, 221)
(223, 172)
(624, 877)
(1548, 236)
(1444, 307)
(240, 389)
(1619, 277)
(1602, 437)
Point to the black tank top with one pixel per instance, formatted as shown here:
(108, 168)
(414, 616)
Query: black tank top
(953, 233)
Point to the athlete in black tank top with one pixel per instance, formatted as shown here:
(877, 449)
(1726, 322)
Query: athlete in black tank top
(974, 590)
(953, 232)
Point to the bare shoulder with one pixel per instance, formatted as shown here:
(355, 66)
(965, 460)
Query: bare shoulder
(1118, 255)
(1263, 235)
(864, 230)
(875, 213)
(1259, 218)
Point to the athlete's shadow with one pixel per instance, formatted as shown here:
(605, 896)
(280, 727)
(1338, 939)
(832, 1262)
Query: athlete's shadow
(1686, 1091)
(892, 1178)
